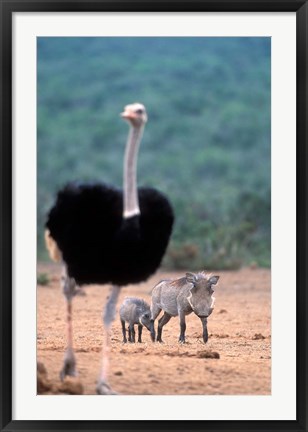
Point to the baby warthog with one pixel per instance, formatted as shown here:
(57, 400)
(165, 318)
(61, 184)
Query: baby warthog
(192, 293)
(135, 311)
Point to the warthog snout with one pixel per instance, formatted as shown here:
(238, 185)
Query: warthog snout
(206, 315)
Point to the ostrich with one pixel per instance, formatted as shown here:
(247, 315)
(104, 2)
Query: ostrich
(102, 235)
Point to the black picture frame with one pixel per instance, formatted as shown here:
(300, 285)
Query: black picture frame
(8, 7)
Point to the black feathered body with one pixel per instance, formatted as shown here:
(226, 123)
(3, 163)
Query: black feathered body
(98, 245)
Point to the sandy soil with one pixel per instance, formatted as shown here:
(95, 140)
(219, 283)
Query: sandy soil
(239, 331)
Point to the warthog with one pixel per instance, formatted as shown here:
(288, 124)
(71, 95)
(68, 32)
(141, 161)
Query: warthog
(192, 293)
(135, 311)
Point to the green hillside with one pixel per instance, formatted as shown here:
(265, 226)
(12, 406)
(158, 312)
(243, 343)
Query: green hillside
(206, 144)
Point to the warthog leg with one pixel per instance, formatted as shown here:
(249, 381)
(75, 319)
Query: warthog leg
(205, 333)
(139, 332)
(155, 311)
(182, 327)
(161, 322)
(131, 333)
(124, 331)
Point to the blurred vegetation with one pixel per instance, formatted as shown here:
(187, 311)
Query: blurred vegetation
(43, 279)
(207, 142)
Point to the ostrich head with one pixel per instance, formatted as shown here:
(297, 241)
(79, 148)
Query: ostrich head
(135, 114)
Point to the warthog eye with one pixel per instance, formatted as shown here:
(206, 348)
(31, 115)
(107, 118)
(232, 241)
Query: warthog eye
(146, 315)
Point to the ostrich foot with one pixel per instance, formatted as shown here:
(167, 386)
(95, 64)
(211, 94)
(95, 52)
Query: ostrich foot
(102, 388)
(69, 365)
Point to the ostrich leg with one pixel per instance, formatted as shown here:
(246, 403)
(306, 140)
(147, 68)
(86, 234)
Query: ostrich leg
(69, 290)
(102, 386)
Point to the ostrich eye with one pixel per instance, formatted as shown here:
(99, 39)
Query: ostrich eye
(139, 111)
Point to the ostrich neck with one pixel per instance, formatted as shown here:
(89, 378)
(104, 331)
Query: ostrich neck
(131, 204)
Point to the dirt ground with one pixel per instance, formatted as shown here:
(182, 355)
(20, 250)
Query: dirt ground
(239, 331)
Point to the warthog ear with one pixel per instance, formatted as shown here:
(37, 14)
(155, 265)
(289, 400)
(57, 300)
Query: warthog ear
(213, 280)
(190, 277)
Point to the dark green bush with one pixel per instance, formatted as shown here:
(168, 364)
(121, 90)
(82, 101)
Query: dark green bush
(43, 279)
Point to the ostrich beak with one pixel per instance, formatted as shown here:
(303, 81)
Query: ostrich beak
(127, 115)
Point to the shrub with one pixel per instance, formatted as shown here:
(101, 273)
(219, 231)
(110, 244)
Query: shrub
(43, 279)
